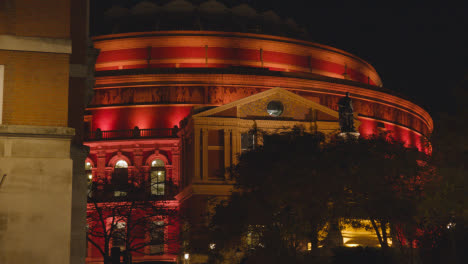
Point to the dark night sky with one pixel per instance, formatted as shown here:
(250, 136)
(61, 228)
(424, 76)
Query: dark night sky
(419, 50)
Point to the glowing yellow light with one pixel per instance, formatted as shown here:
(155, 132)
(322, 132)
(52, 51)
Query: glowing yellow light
(90, 176)
(352, 245)
(309, 246)
(186, 256)
(212, 246)
(159, 173)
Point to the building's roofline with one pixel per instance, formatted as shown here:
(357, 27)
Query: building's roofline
(231, 35)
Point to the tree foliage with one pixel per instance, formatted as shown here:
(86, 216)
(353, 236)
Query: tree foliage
(296, 187)
(445, 205)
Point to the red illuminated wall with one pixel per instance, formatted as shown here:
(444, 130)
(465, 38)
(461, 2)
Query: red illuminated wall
(143, 117)
(409, 137)
(217, 50)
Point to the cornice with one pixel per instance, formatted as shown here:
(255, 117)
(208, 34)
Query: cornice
(35, 44)
(205, 188)
(322, 86)
(36, 131)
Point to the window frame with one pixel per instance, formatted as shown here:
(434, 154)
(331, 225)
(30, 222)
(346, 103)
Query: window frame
(160, 245)
(158, 185)
(120, 171)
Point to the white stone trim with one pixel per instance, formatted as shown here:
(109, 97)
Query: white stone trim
(36, 131)
(35, 44)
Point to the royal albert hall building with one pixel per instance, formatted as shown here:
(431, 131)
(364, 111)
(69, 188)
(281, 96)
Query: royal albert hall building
(178, 85)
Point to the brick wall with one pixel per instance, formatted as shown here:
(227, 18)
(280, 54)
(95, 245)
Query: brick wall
(35, 88)
(21, 17)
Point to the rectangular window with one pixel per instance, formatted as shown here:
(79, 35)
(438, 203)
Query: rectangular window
(118, 236)
(247, 141)
(158, 178)
(120, 181)
(2, 72)
(157, 237)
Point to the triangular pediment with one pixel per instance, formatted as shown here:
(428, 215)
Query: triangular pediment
(294, 107)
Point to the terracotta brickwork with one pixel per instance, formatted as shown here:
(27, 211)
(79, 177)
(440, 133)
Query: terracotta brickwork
(20, 17)
(35, 88)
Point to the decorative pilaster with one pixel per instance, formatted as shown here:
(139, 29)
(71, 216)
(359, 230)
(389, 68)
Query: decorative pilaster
(235, 145)
(227, 151)
(137, 157)
(205, 154)
(197, 151)
(101, 163)
(176, 166)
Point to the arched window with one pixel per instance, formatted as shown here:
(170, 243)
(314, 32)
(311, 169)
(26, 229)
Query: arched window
(158, 177)
(121, 164)
(120, 178)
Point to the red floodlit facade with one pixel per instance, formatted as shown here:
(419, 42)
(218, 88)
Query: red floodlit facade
(148, 82)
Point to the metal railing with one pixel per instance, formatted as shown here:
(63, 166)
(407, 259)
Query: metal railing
(131, 134)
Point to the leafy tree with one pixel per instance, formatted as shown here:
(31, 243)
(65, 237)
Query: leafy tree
(281, 200)
(295, 185)
(445, 207)
(383, 181)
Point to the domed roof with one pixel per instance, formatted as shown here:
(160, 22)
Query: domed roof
(116, 12)
(208, 15)
(244, 10)
(179, 6)
(144, 8)
(271, 16)
(213, 7)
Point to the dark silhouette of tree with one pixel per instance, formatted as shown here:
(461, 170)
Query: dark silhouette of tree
(281, 200)
(134, 222)
(296, 184)
(383, 182)
(445, 207)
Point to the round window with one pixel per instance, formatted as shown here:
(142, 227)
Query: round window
(275, 108)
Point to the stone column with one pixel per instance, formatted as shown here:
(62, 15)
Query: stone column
(196, 154)
(78, 154)
(227, 151)
(235, 145)
(205, 154)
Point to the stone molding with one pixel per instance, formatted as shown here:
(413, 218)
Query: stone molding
(322, 85)
(221, 188)
(36, 131)
(35, 44)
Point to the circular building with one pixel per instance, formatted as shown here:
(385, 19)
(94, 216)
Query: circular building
(162, 63)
